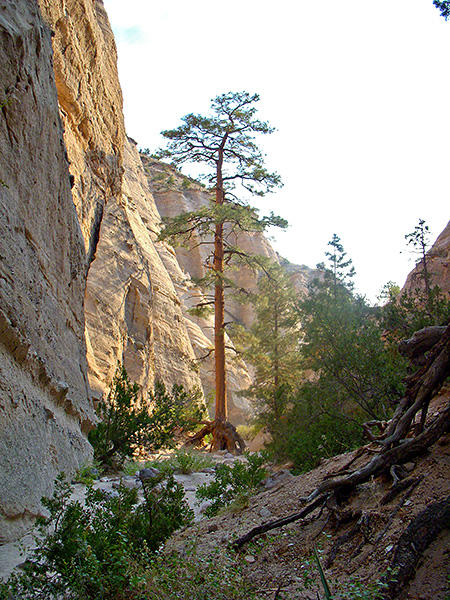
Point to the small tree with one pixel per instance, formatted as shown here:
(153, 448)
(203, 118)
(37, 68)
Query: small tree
(272, 345)
(354, 375)
(444, 7)
(234, 166)
(128, 421)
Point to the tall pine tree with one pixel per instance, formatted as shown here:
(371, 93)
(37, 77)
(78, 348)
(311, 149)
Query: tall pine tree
(223, 143)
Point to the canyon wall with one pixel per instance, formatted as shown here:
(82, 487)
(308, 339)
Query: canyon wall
(84, 284)
(45, 406)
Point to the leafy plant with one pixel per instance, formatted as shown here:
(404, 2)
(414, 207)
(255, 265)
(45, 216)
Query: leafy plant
(188, 462)
(99, 550)
(231, 483)
(128, 421)
(88, 473)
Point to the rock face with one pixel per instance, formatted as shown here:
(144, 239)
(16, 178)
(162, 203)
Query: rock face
(84, 283)
(438, 258)
(90, 100)
(45, 407)
(133, 312)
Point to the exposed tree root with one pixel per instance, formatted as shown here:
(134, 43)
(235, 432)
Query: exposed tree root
(419, 534)
(396, 448)
(224, 434)
(399, 488)
(279, 522)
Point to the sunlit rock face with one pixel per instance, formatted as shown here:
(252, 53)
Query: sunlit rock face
(133, 311)
(438, 265)
(45, 407)
(138, 298)
(90, 101)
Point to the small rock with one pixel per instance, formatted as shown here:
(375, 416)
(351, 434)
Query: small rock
(265, 513)
(249, 558)
(389, 548)
(208, 470)
(109, 493)
(148, 474)
(228, 455)
(129, 482)
(212, 527)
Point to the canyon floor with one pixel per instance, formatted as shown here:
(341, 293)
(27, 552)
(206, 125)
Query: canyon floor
(357, 545)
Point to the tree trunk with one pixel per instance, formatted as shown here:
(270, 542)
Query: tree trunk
(219, 331)
(219, 303)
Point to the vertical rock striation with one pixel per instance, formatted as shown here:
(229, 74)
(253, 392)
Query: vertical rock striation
(45, 407)
(133, 312)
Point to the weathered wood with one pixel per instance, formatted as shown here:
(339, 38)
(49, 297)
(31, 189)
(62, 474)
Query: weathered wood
(419, 534)
(260, 529)
(421, 342)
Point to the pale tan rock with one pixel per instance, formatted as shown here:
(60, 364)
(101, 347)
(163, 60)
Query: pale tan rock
(45, 408)
(133, 312)
(90, 99)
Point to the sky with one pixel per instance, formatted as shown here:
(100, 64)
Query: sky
(358, 92)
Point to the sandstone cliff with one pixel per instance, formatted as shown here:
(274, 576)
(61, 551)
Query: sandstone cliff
(84, 283)
(44, 395)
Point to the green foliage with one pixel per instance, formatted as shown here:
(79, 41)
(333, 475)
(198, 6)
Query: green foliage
(230, 129)
(352, 373)
(187, 462)
(128, 421)
(231, 483)
(312, 430)
(323, 579)
(214, 577)
(98, 550)
(444, 7)
(423, 304)
(272, 344)
(88, 473)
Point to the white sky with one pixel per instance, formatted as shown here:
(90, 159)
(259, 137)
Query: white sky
(359, 92)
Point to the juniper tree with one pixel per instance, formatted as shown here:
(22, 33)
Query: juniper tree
(223, 143)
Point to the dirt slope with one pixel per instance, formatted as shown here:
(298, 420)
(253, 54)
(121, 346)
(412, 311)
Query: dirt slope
(358, 539)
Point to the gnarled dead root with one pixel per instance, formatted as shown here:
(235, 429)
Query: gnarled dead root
(395, 447)
(224, 437)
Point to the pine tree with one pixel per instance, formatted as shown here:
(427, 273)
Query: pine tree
(234, 167)
(272, 345)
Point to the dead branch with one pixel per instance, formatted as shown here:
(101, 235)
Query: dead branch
(420, 343)
(260, 529)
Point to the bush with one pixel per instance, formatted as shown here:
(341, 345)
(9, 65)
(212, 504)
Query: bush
(128, 421)
(232, 483)
(99, 550)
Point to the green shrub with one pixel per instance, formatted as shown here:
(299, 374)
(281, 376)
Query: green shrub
(128, 421)
(231, 483)
(99, 550)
